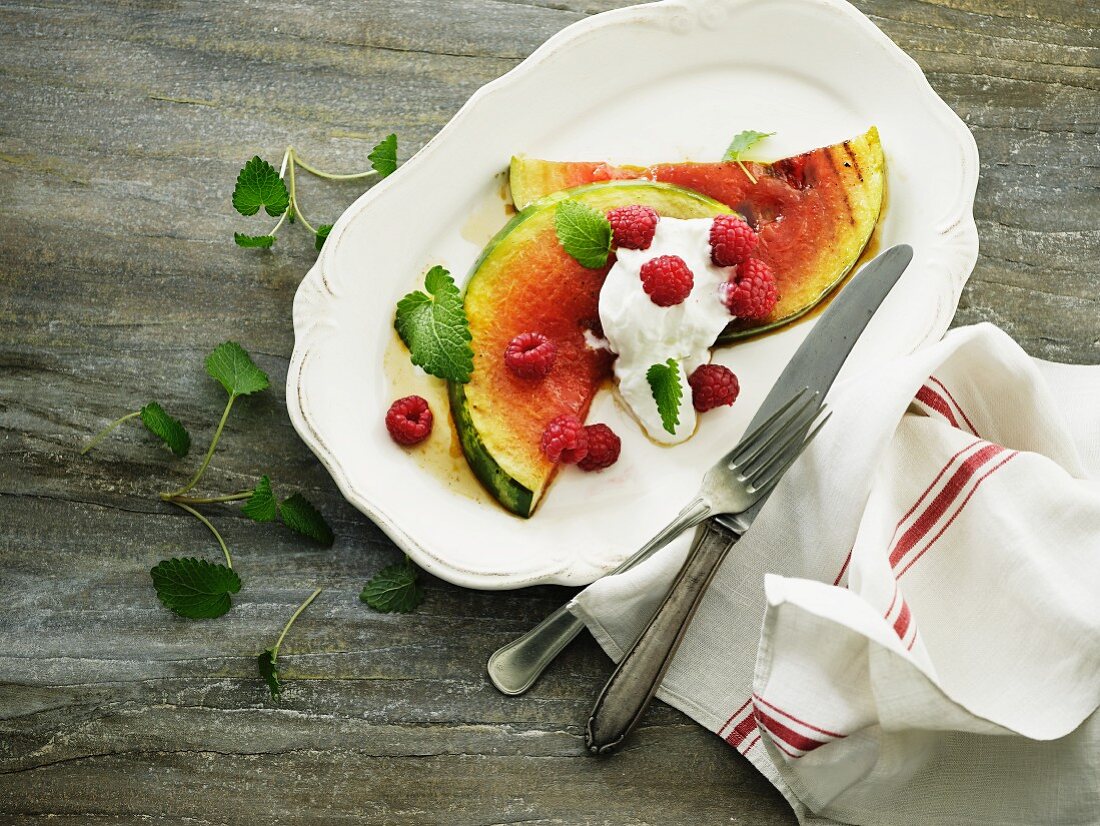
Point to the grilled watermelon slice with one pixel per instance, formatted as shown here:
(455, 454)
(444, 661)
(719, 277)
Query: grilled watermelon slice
(525, 281)
(814, 212)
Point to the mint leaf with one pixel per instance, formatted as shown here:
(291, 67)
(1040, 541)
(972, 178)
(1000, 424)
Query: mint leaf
(299, 515)
(321, 236)
(396, 588)
(195, 588)
(170, 431)
(743, 141)
(664, 382)
(383, 158)
(258, 241)
(234, 369)
(584, 232)
(261, 504)
(269, 670)
(435, 329)
(259, 185)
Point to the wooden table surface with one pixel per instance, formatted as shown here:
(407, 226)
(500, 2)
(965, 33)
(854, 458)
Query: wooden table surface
(122, 127)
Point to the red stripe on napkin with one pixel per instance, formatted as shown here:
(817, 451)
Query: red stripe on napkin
(942, 501)
(930, 398)
(958, 406)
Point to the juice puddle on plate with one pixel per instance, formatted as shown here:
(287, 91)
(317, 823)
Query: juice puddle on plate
(441, 454)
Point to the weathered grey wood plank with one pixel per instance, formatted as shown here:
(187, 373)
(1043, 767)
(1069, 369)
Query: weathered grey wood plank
(122, 127)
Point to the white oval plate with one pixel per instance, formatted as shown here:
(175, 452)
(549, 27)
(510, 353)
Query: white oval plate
(666, 81)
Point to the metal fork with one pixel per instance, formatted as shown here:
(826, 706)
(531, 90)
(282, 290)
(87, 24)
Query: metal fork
(734, 483)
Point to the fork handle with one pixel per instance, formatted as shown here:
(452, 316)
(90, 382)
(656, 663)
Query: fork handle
(514, 667)
(637, 677)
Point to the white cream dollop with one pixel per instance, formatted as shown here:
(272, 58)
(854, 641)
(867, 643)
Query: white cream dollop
(643, 334)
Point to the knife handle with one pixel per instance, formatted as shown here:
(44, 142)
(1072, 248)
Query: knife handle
(635, 681)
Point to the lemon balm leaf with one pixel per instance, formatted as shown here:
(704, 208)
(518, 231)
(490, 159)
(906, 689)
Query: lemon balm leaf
(259, 185)
(299, 515)
(195, 588)
(168, 429)
(269, 670)
(253, 241)
(664, 383)
(321, 235)
(394, 589)
(584, 233)
(233, 368)
(434, 327)
(383, 158)
(742, 142)
(261, 505)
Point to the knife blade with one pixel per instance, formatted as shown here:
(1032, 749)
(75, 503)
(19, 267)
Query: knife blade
(815, 365)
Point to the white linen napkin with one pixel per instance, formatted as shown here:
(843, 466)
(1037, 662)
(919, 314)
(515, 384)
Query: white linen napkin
(910, 632)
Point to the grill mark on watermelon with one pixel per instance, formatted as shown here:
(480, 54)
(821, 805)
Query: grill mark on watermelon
(854, 161)
(835, 166)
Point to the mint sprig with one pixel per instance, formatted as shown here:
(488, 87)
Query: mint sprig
(196, 588)
(383, 158)
(394, 589)
(433, 325)
(664, 383)
(268, 661)
(261, 185)
(584, 233)
(742, 142)
(168, 429)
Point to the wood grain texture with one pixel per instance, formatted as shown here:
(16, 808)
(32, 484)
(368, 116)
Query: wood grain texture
(122, 127)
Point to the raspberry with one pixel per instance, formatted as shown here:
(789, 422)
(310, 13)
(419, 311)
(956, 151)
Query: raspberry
(751, 293)
(530, 355)
(667, 280)
(731, 240)
(633, 226)
(713, 385)
(565, 440)
(409, 420)
(603, 448)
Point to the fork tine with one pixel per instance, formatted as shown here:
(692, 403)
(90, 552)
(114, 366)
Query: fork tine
(780, 442)
(750, 441)
(766, 448)
(748, 438)
(773, 479)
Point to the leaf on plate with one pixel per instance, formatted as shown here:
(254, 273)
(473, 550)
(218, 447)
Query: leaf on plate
(394, 589)
(233, 368)
(261, 505)
(170, 430)
(434, 327)
(743, 141)
(299, 515)
(195, 588)
(259, 185)
(664, 383)
(584, 233)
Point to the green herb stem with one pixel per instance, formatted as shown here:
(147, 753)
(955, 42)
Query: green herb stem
(745, 169)
(213, 530)
(212, 500)
(101, 435)
(290, 622)
(294, 191)
(332, 176)
(206, 459)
